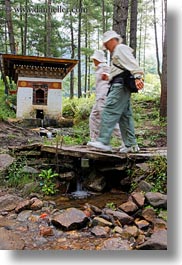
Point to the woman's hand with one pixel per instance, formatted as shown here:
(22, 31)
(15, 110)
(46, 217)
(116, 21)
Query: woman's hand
(105, 76)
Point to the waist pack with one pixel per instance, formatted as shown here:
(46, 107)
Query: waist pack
(129, 80)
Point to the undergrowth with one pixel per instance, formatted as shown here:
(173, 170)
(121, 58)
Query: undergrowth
(155, 174)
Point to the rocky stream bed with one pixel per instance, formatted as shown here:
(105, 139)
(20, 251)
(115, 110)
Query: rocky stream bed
(111, 219)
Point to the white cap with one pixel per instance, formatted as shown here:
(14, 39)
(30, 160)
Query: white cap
(111, 34)
(99, 56)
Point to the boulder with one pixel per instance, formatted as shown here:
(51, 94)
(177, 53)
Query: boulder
(70, 219)
(115, 244)
(157, 199)
(10, 240)
(138, 198)
(128, 207)
(5, 161)
(9, 202)
(99, 231)
(95, 182)
(158, 241)
(123, 218)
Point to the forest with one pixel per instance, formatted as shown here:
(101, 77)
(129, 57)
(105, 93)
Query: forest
(74, 29)
(57, 193)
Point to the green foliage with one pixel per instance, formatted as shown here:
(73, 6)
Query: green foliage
(78, 108)
(16, 177)
(146, 116)
(110, 205)
(5, 111)
(158, 174)
(48, 178)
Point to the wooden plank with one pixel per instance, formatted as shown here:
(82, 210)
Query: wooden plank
(82, 152)
(90, 153)
(87, 152)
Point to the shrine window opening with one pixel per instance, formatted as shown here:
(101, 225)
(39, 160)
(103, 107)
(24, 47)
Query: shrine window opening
(40, 94)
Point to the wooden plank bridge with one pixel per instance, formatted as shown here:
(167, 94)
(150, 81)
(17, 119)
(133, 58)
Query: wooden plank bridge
(83, 151)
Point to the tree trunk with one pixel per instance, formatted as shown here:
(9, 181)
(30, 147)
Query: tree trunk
(72, 57)
(163, 99)
(145, 37)
(10, 26)
(21, 30)
(103, 17)
(133, 25)
(79, 51)
(140, 39)
(120, 16)
(48, 33)
(25, 30)
(156, 42)
(86, 59)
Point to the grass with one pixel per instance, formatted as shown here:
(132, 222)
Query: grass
(150, 129)
(5, 111)
(156, 174)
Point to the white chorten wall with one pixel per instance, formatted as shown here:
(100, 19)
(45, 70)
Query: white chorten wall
(26, 105)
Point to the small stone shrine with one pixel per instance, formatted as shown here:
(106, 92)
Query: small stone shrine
(38, 83)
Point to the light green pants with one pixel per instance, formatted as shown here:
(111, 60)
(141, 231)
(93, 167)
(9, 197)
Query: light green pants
(118, 110)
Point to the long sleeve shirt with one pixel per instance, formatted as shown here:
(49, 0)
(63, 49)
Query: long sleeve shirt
(102, 86)
(124, 58)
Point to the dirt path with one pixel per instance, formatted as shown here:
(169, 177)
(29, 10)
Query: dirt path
(12, 134)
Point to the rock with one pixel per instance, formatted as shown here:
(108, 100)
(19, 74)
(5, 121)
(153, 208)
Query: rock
(140, 239)
(67, 176)
(70, 219)
(130, 231)
(94, 208)
(121, 216)
(118, 229)
(144, 166)
(128, 207)
(10, 240)
(159, 224)
(46, 231)
(138, 198)
(6, 222)
(99, 231)
(29, 187)
(144, 186)
(125, 181)
(24, 215)
(23, 205)
(142, 224)
(31, 170)
(158, 241)
(149, 214)
(100, 221)
(5, 161)
(95, 182)
(9, 202)
(36, 204)
(157, 199)
(115, 244)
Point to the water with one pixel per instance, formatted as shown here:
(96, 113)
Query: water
(79, 193)
(42, 123)
(97, 199)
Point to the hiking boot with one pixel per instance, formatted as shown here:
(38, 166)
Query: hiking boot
(131, 149)
(100, 146)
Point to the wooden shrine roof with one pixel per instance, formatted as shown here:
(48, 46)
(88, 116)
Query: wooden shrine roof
(12, 65)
